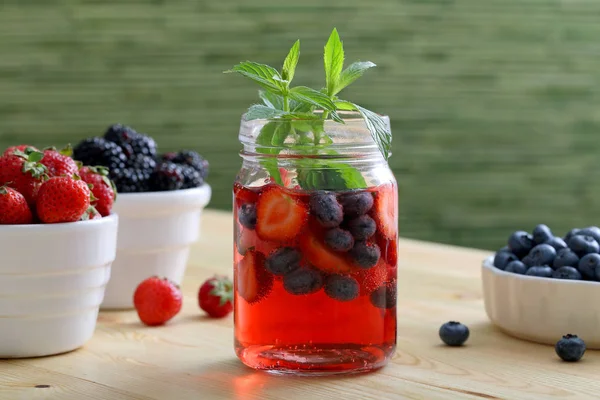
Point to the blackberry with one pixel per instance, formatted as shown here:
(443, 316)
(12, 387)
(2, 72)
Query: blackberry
(98, 151)
(167, 176)
(142, 163)
(191, 177)
(193, 159)
(130, 180)
(121, 135)
(143, 144)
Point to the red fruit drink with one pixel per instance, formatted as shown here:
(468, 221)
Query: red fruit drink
(315, 278)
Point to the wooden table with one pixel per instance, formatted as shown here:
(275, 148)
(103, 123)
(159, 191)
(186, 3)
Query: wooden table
(192, 357)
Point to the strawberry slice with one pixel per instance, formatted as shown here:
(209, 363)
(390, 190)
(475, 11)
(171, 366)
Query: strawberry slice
(279, 216)
(385, 211)
(319, 255)
(253, 281)
(244, 195)
(389, 249)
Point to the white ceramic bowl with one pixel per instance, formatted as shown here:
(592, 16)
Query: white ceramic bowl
(541, 310)
(156, 231)
(52, 281)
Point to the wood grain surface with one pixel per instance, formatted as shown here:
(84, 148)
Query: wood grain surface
(192, 357)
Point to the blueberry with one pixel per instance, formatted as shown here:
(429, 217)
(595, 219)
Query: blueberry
(592, 231)
(541, 234)
(541, 271)
(571, 233)
(503, 258)
(542, 254)
(340, 287)
(583, 245)
(355, 204)
(589, 265)
(384, 296)
(247, 215)
(362, 227)
(303, 281)
(567, 273)
(565, 258)
(283, 261)
(326, 209)
(338, 239)
(520, 243)
(528, 261)
(557, 243)
(570, 348)
(516, 267)
(454, 333)
(365, 255)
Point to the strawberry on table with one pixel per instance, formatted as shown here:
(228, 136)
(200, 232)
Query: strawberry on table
(215, 296)
(279, 216)
(386, 210)
(23, 172)
(157, 300)
(13, 207)
(63, 199)
(254, 282)
(102, 187)
(59, 163)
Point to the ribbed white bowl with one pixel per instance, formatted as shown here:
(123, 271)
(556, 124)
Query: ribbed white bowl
(156, 231)
(541, 310)
(52, 281)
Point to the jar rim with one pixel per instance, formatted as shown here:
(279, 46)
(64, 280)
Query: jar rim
(353, 116)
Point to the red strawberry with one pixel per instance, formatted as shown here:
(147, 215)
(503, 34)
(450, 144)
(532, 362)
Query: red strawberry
(157, 300)
(372, 278)
(90, 213)
(62, 199)
(389, 249)
(23, 172)
(246, 240)
(279, 216)
(245, 195)
(59, 162)
(21, 147)
(386, 211)
(13, 207)
(103, 188)
(215, 296)
(254, 282)
(321, 256)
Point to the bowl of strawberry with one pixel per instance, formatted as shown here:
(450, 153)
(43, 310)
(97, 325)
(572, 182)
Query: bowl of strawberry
(58, 239)
(160, 201)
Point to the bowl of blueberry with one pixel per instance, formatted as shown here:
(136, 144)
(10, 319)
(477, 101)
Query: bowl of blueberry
(160, 199)
(540, 285)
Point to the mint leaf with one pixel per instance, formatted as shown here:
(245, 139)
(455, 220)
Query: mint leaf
(271, 99)
(299, 106)
(262, 74)
(258, 111)
(321, 175)
(280, 133)
(289, 65)
(379, 130)
(305, 94)
(352, 73)
(334, 61)
(264, 138)
(344, 105)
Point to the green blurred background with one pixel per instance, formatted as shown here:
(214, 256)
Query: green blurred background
(494, 104)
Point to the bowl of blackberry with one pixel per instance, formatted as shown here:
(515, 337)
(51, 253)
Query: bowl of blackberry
(160, 199)
(541, 286)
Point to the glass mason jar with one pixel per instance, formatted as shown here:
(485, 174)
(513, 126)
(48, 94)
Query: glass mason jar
(315, 248)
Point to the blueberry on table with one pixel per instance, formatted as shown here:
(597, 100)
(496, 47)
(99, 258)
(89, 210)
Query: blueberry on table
(355, 204)
(542, 254)
(589, 265)
(362, 227)
(247, 215)
(516, 267)
(567, 273)
(583, 245)
(341, 287)
(540, 271)
(520, 243)
(365, 255)
(338, 239)
(565, 258)
(557, 243)
(541, 234)
(283, 261)
(326, 209)
(454, 333)
(503, 258)
(303, 281)
(571, 233)
(570, 348)
(592, 231)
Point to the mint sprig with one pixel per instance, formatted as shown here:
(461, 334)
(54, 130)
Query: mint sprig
(292, 111)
